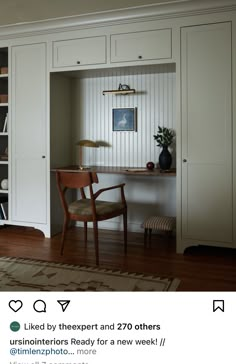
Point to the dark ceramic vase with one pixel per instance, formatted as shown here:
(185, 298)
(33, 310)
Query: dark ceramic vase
(165, 158)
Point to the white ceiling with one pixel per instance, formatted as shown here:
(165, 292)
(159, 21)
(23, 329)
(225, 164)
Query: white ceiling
(21, 11)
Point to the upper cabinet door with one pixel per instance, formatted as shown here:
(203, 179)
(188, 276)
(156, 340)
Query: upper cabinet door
(141, 46)
(79, 52)
(29, 133)
(207, 191)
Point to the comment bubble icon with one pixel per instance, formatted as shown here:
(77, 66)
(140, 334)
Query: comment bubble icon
(39, 306)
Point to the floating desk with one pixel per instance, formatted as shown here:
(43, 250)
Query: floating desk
(119, 170)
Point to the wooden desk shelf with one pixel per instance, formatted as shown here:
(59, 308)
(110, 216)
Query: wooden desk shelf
(120, 170)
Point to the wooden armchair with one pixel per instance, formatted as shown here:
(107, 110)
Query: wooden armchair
(89, 209)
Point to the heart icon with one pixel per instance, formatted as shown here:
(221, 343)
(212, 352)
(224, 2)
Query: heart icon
(15, 305)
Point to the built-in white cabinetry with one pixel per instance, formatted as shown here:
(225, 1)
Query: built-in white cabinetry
(79, 52)
(207, 160)
(29, 134)
(141, 46)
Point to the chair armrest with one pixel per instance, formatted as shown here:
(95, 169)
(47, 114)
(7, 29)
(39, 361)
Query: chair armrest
(121, 186)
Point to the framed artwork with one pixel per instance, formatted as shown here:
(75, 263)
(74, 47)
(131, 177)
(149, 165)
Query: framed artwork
(124, 119)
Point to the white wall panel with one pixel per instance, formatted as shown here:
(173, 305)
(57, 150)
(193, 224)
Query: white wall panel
(155, 102)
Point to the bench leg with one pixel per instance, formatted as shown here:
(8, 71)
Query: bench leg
(150, 236)
(147, 233)
(145, 236)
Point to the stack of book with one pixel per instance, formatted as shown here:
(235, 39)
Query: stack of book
(3, 207)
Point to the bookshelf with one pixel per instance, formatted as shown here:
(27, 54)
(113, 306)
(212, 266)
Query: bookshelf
(3, 134)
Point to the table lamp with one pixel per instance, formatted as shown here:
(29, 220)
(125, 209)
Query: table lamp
(84, 143)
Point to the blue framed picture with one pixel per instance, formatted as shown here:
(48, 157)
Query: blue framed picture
(124, 119)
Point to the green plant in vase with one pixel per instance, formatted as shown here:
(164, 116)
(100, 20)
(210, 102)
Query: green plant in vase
(164, 138)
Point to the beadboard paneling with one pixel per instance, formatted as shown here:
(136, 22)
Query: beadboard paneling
(92, 113)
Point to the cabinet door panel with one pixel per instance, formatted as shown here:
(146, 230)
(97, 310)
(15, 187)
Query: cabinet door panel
(207, 133)
(79, 52)
(207, 211)
(29, 183)
(141, 46)
(29, 196)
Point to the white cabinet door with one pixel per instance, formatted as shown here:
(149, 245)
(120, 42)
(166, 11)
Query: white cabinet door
(29, 137)
(141, 46)
(207, 134)
(79, 52)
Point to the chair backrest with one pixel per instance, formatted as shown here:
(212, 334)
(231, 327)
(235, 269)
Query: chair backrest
(76, 179)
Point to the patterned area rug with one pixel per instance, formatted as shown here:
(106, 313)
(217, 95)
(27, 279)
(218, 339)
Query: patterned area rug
(29, 275)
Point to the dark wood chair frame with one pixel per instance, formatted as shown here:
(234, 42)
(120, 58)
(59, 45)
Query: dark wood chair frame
(80, 180)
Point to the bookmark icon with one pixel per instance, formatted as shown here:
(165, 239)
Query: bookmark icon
(218, 305)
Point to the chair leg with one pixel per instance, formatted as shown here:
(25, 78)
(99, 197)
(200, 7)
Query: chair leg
(95, 234)
(85, 232)
(65, 227)
(125, 231)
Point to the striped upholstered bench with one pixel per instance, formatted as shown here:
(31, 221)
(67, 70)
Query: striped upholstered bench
(160, 223)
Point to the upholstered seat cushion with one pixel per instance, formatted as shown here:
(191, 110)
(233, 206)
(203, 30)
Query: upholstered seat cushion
(163, 223)
(83, 207)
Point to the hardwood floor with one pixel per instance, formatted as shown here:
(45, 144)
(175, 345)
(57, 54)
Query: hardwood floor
(199, 269)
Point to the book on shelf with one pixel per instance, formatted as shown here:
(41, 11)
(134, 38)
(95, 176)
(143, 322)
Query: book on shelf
(4, 210)
(3, 207)
(1, 214)
(5, 126)
(3, 157)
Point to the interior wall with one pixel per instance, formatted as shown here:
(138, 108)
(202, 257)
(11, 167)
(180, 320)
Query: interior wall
(60, 120)
(145, 196)
(60, 139)
(92, 113)
(15, 11)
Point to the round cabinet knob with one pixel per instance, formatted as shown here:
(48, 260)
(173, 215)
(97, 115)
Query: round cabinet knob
(184, 160)
(78, 62)
(43, 156)
(140, 57)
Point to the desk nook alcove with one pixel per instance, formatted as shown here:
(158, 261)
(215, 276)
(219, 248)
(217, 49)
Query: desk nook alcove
(79, 110)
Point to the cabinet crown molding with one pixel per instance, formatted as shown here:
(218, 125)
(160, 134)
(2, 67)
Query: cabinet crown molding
(171, 9)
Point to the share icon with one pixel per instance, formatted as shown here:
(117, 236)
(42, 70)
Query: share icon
(64, 304)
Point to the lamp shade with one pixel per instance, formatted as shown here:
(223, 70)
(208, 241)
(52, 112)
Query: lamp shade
(87, 143)
(84, 143)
